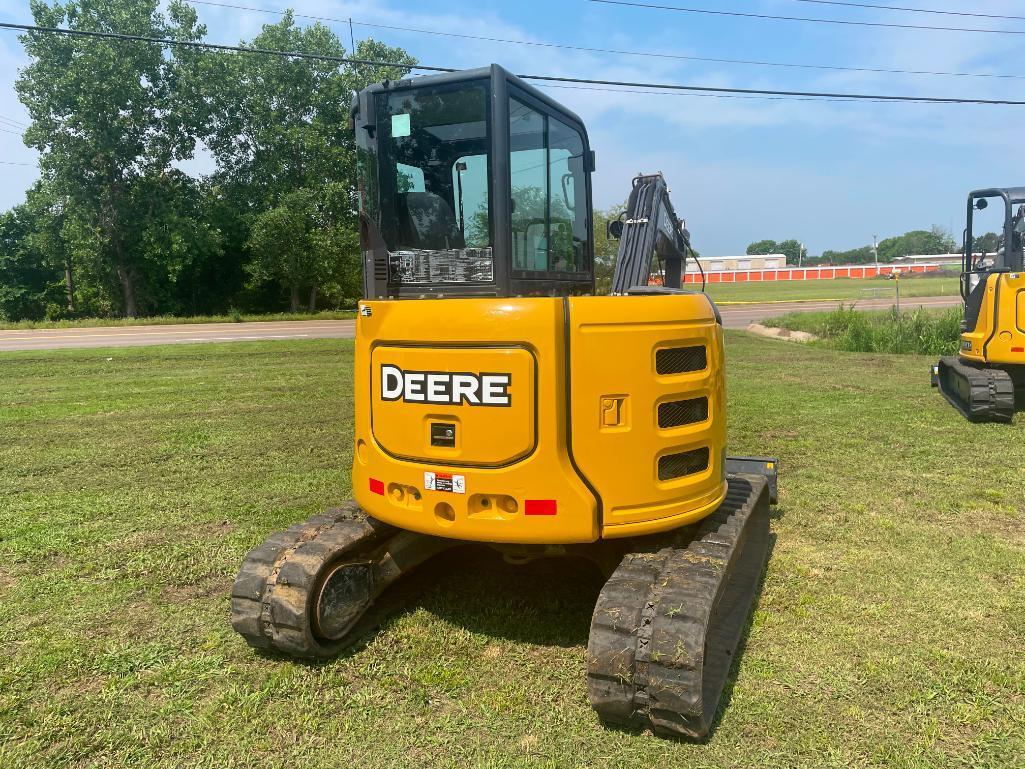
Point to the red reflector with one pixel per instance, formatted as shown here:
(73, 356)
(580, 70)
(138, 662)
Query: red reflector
(540, 507)
(376, 486)
(1018, 349)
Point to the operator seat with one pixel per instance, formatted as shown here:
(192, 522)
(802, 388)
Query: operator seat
(428, 222)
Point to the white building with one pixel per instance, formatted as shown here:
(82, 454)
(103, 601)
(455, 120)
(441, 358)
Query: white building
(746, 262)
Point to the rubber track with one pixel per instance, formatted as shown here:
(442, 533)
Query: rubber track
(668, 622)
(270, 600)
(990, 391)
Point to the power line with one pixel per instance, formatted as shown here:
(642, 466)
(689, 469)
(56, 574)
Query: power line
(618, 52)
(9, 131)
(915, 10)
(845, 22)
(544, 78)
(710, 95)
(13, 122)
(216, 46)
(9, 163)
(768, 92)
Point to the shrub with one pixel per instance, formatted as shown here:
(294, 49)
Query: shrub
(916, 332)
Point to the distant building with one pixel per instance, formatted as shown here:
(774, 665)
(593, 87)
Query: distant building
(747, 262)
(941, 259)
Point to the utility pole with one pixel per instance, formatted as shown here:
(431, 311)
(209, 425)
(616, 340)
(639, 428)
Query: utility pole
(875, 252)
(800, 255)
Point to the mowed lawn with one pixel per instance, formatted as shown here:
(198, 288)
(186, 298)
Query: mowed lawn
(845, 289)
(889, 632)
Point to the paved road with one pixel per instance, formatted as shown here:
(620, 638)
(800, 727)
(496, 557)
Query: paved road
(734, 316)
(137, 336)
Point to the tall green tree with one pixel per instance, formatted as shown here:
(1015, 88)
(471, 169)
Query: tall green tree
(298, 243)
(107, 116)
(285, 153)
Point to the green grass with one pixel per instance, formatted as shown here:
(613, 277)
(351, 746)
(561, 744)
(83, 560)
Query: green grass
(160, 320)
(889, 631)
(844, 289)
(920, 331)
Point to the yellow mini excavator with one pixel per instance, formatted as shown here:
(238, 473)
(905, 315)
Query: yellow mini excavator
(498, 400)
(981, 380)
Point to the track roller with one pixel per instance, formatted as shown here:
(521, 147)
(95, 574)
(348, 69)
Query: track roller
(306, 591)
(668, 622)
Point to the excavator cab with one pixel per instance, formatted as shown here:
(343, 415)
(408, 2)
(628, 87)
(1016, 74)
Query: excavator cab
(982, 380)
(498, 400)
(472, 184)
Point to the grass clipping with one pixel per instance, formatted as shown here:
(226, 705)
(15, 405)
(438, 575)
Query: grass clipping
(920, 331)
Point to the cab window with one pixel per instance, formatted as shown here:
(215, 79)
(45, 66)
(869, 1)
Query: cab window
(549, 196)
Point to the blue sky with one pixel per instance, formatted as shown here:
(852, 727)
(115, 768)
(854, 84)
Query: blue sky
(830, 174)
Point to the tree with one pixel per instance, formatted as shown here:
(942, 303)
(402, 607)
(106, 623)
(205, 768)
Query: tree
(26, 279)
(107, 115)
(932, 241)
(280, 133)
(762, 247)
(987, 243)
(606, 249)
(297, 243)
(860, 255)
(792, 249)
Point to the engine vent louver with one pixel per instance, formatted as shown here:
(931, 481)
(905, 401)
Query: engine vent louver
(679, 360)
(685, 463)
(685, 412)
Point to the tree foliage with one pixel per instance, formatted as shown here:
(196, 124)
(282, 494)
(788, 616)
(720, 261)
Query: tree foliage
(932, 241)
(116, 227)
(606, 249)
(790, 248)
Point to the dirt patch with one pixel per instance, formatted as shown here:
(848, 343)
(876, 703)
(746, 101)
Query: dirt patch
(781, 333)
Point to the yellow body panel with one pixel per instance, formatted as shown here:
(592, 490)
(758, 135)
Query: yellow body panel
(613, 352)
(999, 335)
(402, 427)
(567, 448)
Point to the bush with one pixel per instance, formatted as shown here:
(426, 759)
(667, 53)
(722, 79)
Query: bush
(917, 332)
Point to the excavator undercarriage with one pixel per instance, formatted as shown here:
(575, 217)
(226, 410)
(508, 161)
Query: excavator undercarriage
(665, 629)
(980, 393)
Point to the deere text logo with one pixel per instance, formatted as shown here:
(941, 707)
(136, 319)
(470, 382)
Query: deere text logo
(445, 387)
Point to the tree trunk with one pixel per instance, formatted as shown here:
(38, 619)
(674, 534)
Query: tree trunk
(295, 298)
(127, 290)
(313, 298)
(69, 284)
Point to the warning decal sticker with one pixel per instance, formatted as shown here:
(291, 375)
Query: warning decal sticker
(455, 484)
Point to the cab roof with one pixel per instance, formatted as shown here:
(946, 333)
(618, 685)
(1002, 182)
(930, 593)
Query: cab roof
(492, 72)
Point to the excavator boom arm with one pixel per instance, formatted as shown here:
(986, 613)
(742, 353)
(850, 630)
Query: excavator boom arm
(650, 227)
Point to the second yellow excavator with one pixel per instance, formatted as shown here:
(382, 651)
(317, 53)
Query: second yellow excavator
(986, 379)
